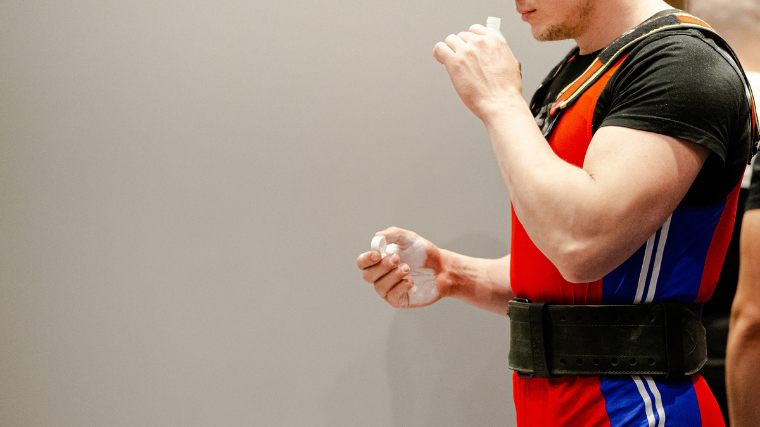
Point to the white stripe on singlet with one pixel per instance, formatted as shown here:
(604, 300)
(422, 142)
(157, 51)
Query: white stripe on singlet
(644, 269)
(647, 400)
(658, 260)
(650, 297)
(657, 400)
(657, 264)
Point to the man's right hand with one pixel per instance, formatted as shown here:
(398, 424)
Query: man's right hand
(412, 283)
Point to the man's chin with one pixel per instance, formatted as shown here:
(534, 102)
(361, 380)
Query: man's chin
(550, 34)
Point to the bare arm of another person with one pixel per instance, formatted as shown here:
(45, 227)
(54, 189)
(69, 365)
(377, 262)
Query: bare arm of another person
(483, 283)
(743, 351)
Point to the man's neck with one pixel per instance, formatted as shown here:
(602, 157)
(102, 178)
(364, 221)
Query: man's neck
(611, 19)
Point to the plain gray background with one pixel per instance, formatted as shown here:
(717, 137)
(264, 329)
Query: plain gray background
(185, 187)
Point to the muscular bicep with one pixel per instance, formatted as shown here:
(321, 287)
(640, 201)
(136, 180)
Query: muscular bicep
(640, 178)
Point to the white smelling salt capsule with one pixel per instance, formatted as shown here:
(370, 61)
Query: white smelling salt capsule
(378, 244)
(392, 249)
(493, 23)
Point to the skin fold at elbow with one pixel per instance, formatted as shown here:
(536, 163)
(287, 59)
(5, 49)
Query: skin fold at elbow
(745, 322)
(590, 259)
(579, 263)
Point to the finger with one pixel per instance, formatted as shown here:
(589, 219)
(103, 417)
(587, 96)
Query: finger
(466, 36)
(384, 284)
(376, 272)
(454, 42)
(442, 53)
(479, 29)
(368, 259)
(399, 295)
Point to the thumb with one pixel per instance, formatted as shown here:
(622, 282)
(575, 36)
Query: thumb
(399, 236)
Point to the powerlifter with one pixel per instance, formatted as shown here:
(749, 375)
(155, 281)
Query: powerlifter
(623, 173)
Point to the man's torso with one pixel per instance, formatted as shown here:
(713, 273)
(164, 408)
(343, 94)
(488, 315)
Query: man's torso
(681, 261)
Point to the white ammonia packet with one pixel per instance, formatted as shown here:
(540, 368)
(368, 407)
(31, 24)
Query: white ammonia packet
(414, 254)
(493, 23)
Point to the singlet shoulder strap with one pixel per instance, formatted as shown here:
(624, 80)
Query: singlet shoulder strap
(662, 21)
(608, 57)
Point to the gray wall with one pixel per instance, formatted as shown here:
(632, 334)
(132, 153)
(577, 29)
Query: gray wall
(184, 189)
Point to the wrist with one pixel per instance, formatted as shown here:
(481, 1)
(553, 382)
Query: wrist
(447, 279)
(510, 105)
(461, 275)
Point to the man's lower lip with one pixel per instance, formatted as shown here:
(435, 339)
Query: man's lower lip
(527, 15)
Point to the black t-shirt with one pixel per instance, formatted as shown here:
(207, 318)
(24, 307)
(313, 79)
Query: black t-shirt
(676, 83)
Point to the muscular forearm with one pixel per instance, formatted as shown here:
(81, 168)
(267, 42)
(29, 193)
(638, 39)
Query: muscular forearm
(742, 373)
(743, 351)
(545, 190)
(555, 201)
(482, 283)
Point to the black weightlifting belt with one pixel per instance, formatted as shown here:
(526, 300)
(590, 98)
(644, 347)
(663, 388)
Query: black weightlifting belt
(662, 339)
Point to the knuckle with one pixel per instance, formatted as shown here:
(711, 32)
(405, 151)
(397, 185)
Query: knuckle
(367, 276)
(394, 300)
(390, 261)
(380, 291)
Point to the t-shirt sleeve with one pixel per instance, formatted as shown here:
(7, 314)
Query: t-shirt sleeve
(677, 86)
(753, 198)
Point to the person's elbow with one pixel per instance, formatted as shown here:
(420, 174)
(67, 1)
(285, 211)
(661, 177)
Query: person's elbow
(745, 322)
(580, 261)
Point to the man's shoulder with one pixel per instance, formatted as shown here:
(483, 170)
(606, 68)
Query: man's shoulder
(684, 48)
(687, 37)
(678, 63)
(679, 84)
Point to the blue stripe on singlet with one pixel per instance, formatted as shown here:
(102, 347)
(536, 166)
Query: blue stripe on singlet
(680, 401)
(644, 402)
(624, 403)
(692, 231)
(687, 242)
(620, 285)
